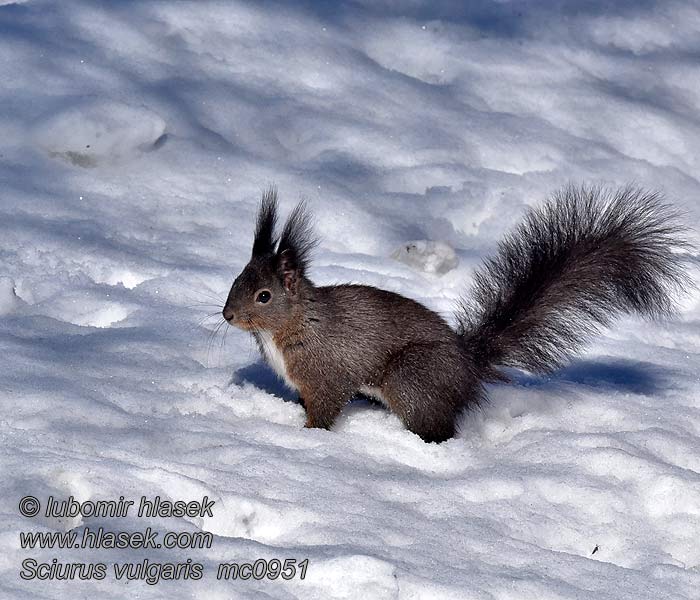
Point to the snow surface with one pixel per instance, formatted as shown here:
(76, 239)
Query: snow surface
(437, 121)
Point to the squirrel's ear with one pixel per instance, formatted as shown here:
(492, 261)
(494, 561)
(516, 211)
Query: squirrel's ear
(288, 270)
(295, 247)
(264, 242)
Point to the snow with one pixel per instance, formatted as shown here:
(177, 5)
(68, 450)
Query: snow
(427, 123)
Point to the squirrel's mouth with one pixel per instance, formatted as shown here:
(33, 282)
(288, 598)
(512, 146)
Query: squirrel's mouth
(235, 320)
(242, 323)
(238, 320)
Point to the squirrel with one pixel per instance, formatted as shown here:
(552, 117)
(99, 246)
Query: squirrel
(584, 257)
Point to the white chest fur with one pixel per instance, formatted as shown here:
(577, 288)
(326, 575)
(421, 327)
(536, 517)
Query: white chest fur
(274, 357)
(373, 392)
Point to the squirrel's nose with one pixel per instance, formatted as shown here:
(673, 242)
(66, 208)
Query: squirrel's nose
(228, 313)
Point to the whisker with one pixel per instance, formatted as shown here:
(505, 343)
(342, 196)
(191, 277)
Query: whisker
(223, 342)
(253, 329)
(194, 326)
(212, 337)
(201, 321)
(204, 293)
(198, 304)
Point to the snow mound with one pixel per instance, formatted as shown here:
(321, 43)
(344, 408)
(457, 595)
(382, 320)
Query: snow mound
(116, 275)
(87, 310)
(355, 576)
(428, 256)
(100, 132)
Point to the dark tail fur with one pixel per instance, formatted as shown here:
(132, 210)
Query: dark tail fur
(571, 267)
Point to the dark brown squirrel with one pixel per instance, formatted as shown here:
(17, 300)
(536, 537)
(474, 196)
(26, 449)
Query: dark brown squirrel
(584, 257)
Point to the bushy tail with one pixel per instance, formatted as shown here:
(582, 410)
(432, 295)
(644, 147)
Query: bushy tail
(572, 266)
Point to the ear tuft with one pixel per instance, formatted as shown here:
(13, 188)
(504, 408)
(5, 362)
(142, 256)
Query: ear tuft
(264, 242)
(296, 243)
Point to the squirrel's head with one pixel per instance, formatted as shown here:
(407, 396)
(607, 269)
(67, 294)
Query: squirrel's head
(263, 296)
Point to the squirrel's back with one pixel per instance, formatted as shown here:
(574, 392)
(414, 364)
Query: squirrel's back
(388, 317)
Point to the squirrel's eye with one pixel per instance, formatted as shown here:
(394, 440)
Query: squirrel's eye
(263, 297)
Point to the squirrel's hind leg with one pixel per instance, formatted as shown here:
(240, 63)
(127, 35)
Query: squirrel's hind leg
(427, 385)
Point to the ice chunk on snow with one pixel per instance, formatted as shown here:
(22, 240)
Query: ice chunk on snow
(428, 256)
(8, 297)
(98, 132)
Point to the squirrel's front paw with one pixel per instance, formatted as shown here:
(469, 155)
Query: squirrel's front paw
(312, 424)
